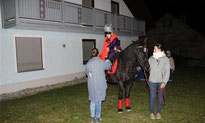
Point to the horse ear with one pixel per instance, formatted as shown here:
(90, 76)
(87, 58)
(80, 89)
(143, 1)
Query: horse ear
(145, 42)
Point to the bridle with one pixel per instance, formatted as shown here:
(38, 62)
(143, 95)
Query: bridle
(139, 58)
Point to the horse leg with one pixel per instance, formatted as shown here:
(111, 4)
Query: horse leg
(127, 95)
(120, 96)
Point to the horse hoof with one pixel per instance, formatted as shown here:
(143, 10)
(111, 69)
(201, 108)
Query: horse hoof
(120, 111)
(128, 109)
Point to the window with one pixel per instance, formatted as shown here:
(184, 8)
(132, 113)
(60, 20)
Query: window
(88, 3)
(29, 53)
(88, 45)
(114, 7)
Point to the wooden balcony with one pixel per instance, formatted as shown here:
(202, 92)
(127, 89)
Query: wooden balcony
(63, 16)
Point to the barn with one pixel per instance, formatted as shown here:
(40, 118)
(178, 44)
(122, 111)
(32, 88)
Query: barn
(177, 37)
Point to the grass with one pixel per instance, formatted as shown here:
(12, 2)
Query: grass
(185, 103)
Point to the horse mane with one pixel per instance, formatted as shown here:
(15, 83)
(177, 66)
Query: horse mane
(128, 52)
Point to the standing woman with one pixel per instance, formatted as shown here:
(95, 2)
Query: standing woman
(172, 65)
(159, 76)
(95, 70)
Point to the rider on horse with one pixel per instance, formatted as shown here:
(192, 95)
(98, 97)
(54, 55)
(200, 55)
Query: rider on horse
(111, 45)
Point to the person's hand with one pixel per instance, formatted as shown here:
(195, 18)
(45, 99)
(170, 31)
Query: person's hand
(108, 49)
(162, 85)
(115, 48)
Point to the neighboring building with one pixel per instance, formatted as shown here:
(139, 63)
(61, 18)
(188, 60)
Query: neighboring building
(141, 11)
(177, 37)
(45, 42)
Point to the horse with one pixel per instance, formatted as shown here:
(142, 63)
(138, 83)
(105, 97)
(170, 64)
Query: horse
(134, 54)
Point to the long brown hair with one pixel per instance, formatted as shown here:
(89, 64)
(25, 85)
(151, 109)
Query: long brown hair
(159, 46)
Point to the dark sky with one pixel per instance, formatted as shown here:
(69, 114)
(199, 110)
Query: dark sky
(194, 10)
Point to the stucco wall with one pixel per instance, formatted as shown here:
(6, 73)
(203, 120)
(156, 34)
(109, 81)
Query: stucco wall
(58, 61)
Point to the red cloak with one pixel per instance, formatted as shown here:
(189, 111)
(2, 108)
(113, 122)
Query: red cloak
(104, 53)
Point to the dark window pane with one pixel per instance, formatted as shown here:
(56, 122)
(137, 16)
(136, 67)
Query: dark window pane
(88, 3)
(88, 45)
(114, 7)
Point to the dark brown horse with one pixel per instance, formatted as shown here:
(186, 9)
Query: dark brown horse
(124, 76)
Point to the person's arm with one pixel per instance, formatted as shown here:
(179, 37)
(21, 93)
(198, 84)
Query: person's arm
(87, 69)
(172, 60)
(107, 65)
(113, 43)
(166, 73)
(149, 60)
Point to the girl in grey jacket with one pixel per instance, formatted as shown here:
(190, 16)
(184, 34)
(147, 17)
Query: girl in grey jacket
(95, 70)
(159, 76)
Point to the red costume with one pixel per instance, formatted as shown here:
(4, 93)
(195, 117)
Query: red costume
(104, 52)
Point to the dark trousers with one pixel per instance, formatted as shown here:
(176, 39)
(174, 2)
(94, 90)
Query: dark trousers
(112, 57)
(141, 75)
(171, 76)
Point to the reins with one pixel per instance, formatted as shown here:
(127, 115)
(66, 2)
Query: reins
(159, 90)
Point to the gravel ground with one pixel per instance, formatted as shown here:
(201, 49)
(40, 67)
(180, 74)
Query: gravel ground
(32, 91)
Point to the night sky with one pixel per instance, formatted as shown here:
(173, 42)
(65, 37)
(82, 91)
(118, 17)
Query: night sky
(193, 10)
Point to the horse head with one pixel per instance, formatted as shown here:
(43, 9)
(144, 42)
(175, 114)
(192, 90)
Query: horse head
(141, 53)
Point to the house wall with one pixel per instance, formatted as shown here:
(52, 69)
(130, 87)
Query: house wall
(60, 64)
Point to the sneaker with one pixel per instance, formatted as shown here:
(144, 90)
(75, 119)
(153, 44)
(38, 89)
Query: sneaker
(98, 120)
(92, 120)
(159, 116)
(152, 116)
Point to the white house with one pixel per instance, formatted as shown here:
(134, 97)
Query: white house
(45, 42)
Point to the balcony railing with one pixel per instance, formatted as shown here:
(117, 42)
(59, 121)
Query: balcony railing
(64, 15)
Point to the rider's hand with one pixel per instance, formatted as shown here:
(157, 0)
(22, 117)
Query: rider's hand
(108, 49)
(115, 48)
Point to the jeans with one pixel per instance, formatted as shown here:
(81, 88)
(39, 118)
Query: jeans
(95, 107)
(141, 75)
(155, 86)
